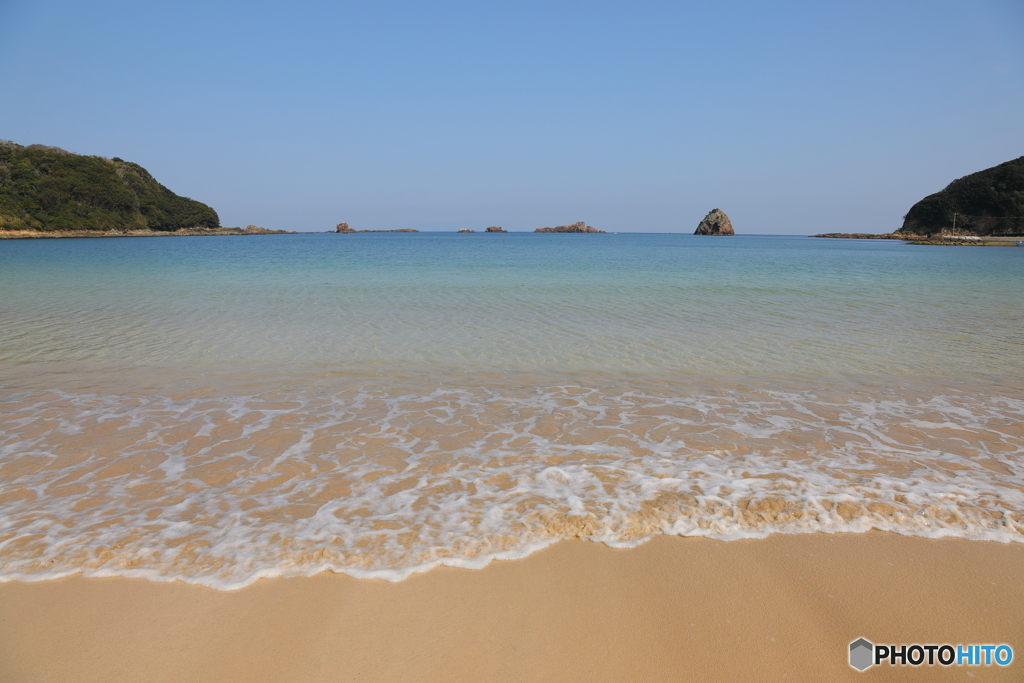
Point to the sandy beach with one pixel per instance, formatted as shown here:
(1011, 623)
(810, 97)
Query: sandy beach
(728, 418)
(221, 411)
(673, 609)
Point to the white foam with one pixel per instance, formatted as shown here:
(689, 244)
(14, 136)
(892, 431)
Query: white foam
(384, 482)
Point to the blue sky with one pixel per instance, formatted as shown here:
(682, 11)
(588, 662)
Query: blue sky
(793, 117)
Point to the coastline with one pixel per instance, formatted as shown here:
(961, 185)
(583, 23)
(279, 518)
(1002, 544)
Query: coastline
(784, 607)
(194, 232)
(986, 241)
(965, 241)
(865, 236)
(288, 476)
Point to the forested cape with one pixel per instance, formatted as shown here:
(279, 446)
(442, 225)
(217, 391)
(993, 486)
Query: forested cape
(989, 202)
(49, 189)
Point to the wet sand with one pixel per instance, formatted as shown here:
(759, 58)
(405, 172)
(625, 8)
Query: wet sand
(674, 609)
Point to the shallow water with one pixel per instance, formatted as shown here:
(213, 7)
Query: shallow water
(219, 409)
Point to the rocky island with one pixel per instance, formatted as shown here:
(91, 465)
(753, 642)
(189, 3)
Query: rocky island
(345, 230)
(50, 192)
(495, 228)
(715, 223)
(580, 226)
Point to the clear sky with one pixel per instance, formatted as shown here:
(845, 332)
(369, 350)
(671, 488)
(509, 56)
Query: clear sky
(793, 117)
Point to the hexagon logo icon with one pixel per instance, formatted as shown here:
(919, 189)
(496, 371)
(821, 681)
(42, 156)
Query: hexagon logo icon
(861, 654)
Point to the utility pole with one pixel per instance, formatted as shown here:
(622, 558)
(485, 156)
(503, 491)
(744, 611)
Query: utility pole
(954, 224)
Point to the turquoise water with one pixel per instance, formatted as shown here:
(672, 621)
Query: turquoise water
(644, 304)
(220, 409)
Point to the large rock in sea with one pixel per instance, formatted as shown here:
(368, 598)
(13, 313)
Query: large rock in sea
(580, 226)
(343, 227)
(989, 202)
(715, 223)
(495, 228)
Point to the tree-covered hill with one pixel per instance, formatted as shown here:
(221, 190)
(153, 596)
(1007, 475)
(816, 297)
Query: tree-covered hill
(49, 189)
(989, 202)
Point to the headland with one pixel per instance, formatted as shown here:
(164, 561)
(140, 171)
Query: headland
(48, 189)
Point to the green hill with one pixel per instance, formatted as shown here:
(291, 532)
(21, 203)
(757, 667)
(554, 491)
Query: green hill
(989, 202)
(51, 190)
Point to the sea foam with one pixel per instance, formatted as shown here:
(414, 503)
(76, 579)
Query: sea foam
(384, 480)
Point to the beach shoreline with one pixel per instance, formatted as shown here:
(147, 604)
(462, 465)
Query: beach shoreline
(781, 608)
(187, 421)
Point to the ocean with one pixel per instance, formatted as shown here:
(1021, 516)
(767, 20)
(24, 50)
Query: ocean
(219, 409)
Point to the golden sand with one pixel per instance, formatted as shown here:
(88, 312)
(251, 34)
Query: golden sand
(674, 609)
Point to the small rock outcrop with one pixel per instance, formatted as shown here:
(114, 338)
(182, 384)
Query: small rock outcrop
(580, 226)
(715, 223)
(344, 229)
(466, 230)
(495, 228)
(863, 235)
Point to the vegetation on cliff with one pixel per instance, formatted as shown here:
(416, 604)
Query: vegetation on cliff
(51, 190)
(989, 202)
